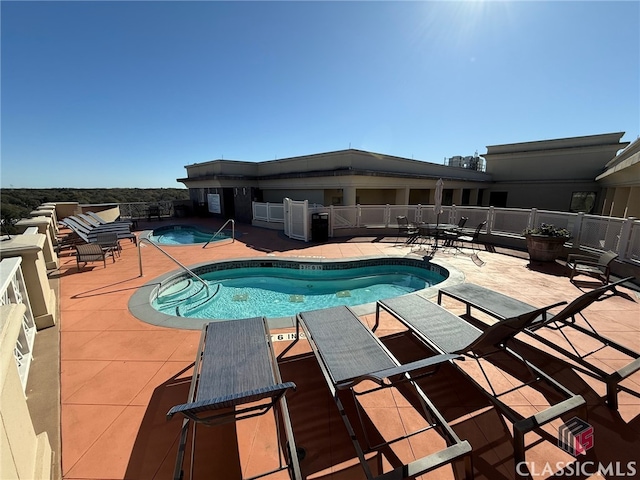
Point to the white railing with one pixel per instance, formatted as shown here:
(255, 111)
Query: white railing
(591, 232)
(268, 212)
(13, 291)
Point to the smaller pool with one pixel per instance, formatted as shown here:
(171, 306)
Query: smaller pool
(185, 235)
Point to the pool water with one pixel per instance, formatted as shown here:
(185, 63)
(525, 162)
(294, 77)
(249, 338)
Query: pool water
(282, 292)
(185, 235)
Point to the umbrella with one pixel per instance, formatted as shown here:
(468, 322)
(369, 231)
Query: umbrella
(437, 208)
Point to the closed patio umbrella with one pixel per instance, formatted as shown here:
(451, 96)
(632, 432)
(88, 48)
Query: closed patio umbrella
(437, 207)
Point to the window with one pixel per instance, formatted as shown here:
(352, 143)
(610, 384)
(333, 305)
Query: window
(582, 202)
(498, 199)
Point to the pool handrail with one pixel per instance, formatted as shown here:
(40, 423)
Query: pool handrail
(150, 242)
(233, 232)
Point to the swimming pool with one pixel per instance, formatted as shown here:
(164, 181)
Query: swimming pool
(185, 235)
(280, 288)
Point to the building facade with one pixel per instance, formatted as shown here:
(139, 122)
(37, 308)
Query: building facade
(552, 174)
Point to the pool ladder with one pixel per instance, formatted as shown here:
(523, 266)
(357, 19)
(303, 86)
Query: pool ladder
(193, 275)
(233, 232)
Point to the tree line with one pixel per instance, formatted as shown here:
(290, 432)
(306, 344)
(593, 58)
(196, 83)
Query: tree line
(17, 203)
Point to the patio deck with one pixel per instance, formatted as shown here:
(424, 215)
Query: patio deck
(119, 375)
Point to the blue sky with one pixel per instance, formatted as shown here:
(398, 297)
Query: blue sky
(124, 94)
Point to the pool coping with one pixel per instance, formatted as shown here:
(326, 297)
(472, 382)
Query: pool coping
(139, 304)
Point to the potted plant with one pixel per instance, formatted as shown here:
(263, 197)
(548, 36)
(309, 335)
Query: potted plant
(544, 243)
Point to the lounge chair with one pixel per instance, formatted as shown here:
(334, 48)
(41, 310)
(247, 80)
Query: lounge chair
(445, 333)
(90, 221)
(597, 267)
(89, 234)
(236, 376)
(102, 221)
(502, 306)
(91, 252)
(103, 228)
(349, 353)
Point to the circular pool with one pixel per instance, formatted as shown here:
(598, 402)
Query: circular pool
(279, 288)
(186, 235)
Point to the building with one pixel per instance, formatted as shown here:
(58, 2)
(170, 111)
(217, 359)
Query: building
(551, 174)
(621, 183)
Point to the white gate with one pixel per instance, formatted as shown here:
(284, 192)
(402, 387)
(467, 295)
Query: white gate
(296, 219)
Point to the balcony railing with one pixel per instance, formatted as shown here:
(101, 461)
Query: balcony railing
(591, 232)
(13, 291)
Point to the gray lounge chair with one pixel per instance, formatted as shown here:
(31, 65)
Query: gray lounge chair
(102, 221)
(445, 333)
(89, 234)
(349, 353)
(502, 306)
(236, 376)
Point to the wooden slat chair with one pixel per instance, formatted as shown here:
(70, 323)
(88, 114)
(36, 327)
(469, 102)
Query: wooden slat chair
(92, 252)
(109, 240)
(235, 377)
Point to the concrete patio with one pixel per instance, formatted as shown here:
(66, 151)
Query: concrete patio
(119, 376)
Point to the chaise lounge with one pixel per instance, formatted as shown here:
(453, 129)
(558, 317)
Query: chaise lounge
(236, 377)
(348, 354)
(502, 306)
(446, 333)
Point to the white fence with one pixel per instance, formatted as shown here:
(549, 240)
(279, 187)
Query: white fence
(589, 231)
(13, 291)
(268, 212)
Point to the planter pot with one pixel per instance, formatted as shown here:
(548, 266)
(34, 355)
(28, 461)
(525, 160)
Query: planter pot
(544, 249)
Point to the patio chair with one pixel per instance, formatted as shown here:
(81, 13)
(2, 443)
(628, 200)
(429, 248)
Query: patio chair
(451, 235)
(91, 252)
(406, 229)
(89, 234)
(445, 333)
(236, 377)
(153, 211)
(473, 239)
(109, 240)
(597, 267)
(349, 353)
(502, 306)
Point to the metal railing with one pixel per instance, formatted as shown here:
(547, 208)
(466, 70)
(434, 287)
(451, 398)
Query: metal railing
(233, 232)
(140, 210)
(147, 241)
(13, 291)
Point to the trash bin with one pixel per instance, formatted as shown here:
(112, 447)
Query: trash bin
(319, 227)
